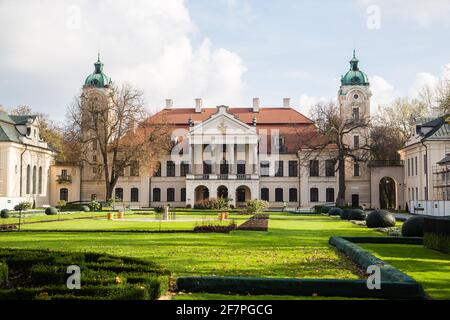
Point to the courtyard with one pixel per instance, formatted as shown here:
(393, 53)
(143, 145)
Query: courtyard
(295, 246)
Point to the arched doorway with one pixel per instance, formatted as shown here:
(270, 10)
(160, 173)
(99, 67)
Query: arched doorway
(222, 192)
(243, 194)
(201, 193)
(388, 193)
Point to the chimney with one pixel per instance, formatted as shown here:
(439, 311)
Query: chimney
(286, 102)
(198, 105)
(169, 103)
(255, 104)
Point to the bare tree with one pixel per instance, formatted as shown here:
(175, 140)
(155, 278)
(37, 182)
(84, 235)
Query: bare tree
(386, 140)
(117, 127)
(331, 138)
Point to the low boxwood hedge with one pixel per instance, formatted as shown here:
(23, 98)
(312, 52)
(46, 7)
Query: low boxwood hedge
(413, 227)
(4, 214)
(335, 211)
(436, 233)
(41, 275)
(380, 219)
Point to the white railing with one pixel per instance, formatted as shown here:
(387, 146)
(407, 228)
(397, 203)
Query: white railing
(437, 208)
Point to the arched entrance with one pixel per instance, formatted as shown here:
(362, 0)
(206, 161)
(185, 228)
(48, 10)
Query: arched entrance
(201, 193)
(243, 194)
(388, 193)
(222, 192)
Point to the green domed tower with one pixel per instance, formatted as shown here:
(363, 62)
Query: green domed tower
(98, 79)
(355, 77)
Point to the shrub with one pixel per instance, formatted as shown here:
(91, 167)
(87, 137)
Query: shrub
(318, 208)
(215, 228)
(4, 213)
(413, 227)
(159, 209)
(51, 211)
(335, 211)
(3, 273)
(188, 206)
(23, 206)
(61, 204)
(358, 215)
(85, 208)
(436, 234)
(95, 205)
(380, 219)
(345, 215)
(213, 204)
(256, 206)
(325, 209)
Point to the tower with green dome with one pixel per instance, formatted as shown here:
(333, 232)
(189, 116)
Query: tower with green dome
(98, 79)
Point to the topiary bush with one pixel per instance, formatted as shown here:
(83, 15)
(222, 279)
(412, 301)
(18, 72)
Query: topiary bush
(358, 215)
(85, 208)
(325, 209)
(4, 213)
(380, 219)
(335, 211)
(345, 214)
(51, 211)
(413, 227)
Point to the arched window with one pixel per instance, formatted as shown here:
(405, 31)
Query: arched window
(292, 195)
(157, 194)
(183, 194)
(28, 179)
(40, 181)
(158, 169)
(170, 194)
(64, 194)
(134, 195)
(330, 195)
(119, 194)
(314, 195)
(34, 179)
(279, 195)
(265, 194)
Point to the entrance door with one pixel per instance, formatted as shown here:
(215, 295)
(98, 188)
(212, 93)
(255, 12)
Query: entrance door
(355, 200)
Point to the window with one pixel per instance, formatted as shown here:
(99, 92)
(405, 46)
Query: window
(417, 193)
(28, 179)
(314, 168)
(265, 167)
(170, 194)
(28, 131)
(356, 114)
(279, 168)
(409, 167)
(356, 170)
(94, 145)
(94, 170)
(120, 171)
(207, 167)
(292, 195)
(416, 166)
(34, 179)
(224, 168)
(293, 168)
(158, 170)
(64, 194)
(278, 142)
(40, 180)
(94, 158)
(134, 169)
(93, 197)
(183, 194)
(157, 194)
(119, 194)
(330, 195)
(356, 142)
(241, 167)
(184, 168)
(314, 195)
(279, 195)
(265, 194)
(134, 195)
(330, 169)
(170, 166)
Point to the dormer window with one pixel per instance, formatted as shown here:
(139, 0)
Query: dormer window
(34, 133)
(28, 131)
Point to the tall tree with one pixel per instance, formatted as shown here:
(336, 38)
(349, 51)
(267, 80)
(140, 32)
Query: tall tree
(121, 131)
(385, 141)
(332, 138)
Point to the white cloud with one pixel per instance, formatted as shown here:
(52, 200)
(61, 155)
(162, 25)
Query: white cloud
(422, 80)
(307, 102)
(145, 43)
(421, 13)
(382, 93)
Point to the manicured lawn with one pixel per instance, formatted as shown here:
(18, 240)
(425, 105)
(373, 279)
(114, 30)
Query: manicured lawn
(27, 218)
(430, 268)
(295, 246)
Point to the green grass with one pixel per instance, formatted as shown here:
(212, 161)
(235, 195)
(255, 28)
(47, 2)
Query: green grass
(430, 268)
(42, 217)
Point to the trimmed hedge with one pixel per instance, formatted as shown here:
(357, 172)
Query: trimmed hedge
(437, 234)
(3, 273)
(4, 213)
(85, 208)
(51, 211)
(413, 227)
(345, 214)
(325, 209)
(358, 215)
(335, 211)
(380, 219)
(42, 276)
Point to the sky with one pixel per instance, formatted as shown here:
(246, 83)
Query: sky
(223, 51)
